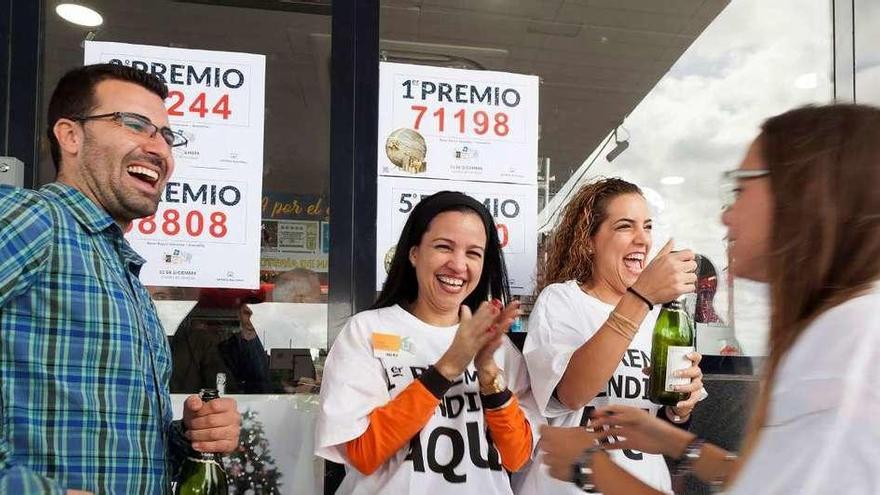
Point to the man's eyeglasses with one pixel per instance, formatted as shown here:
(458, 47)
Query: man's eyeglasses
(140, 125)
(730, 183)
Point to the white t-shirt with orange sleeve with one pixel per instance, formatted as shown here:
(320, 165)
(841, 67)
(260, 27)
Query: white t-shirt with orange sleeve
(563, 319)
(376, 356)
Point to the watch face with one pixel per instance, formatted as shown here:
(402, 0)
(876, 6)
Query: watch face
(500, 384)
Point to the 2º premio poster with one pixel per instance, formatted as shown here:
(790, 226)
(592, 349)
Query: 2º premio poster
(206, 232)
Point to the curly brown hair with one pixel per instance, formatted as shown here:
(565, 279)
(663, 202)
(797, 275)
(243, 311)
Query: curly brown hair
(568, 256)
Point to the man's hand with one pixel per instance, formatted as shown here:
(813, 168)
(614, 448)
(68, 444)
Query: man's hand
(212, 426)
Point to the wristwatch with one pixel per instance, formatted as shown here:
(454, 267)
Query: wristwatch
(582, 470)
(497, 385)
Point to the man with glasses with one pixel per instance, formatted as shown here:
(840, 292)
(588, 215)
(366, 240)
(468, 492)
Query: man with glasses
(84, 362)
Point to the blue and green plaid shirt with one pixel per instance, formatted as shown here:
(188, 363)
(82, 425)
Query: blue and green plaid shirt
(84, 362)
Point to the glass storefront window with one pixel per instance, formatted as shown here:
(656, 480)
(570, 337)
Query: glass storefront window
(288, 313)
(664, 94)
(867, 56)
(677, 90)
(594, 61)
(697, 122)
(265, 346)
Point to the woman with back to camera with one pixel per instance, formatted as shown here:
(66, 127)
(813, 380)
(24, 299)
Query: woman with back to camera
(589, 334)
(806, 221)
(423, 393)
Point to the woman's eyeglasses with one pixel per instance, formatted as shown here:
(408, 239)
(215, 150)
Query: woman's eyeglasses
(730, 183)
(744, 174)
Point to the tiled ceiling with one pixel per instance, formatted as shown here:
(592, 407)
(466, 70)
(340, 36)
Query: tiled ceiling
(597, 59)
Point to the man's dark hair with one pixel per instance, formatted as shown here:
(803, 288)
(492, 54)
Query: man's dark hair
(75, 94)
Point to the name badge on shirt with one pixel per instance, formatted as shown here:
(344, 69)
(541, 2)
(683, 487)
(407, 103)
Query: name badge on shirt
(386, 345)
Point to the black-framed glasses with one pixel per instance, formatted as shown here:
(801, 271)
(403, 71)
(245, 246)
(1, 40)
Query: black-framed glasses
(140, 125)
(744, 174)
(729, 184)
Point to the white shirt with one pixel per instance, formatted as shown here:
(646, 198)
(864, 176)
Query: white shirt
(822, 434)
(563, 319)
(451, 454)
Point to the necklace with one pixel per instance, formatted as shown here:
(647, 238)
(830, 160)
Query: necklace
(592, 293)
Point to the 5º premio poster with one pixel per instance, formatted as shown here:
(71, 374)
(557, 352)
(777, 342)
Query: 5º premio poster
(206, 232)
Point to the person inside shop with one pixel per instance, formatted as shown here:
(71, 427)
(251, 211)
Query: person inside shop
(806, 221)
(424, 393)
(299, 285)
(173, 304)
(589, 333)
(218, 347)
(84, 363)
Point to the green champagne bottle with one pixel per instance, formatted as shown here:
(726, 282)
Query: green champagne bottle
(204, 474)
(673, 340)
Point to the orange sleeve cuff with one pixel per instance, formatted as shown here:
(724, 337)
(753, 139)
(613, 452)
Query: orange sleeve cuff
(391, 427)
(511, 433)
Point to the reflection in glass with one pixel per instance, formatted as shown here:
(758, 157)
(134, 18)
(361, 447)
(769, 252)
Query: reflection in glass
(867, 53)
(699, 118)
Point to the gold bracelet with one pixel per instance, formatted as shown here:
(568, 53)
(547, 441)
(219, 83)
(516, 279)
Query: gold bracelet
(622, 325)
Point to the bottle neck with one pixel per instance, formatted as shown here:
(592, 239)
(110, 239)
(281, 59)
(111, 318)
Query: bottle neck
(205, 458)
(209, 394)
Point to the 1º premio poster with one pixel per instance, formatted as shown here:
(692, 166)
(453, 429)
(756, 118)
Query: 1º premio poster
(470, 131)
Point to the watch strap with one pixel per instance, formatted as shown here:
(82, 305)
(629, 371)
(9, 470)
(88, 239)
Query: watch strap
(435, 382)
(582, 470)
(496, 400)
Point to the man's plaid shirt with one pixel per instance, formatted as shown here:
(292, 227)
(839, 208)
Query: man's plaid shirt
(84, 362)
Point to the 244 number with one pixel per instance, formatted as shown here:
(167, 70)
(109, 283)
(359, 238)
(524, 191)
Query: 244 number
(199, 105)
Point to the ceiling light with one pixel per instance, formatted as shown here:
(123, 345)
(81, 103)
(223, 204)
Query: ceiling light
(619, 145)
(672, 180)
(79, 15)
(429, 59)
(809, 80)
(655, 199)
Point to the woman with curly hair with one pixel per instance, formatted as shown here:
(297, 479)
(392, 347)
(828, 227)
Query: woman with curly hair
(590, 331)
